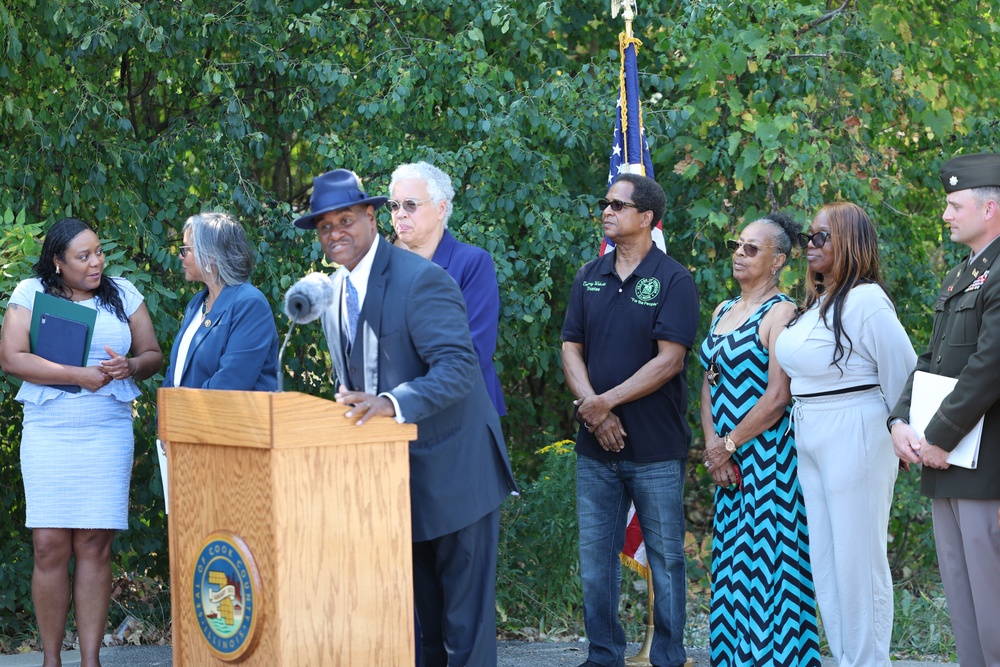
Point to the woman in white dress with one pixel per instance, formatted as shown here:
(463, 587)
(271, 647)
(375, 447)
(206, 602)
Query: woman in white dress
(76, 448)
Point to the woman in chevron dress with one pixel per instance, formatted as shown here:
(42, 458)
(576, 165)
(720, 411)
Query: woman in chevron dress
(763, 610)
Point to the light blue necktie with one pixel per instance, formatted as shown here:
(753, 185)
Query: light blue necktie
(353, 311)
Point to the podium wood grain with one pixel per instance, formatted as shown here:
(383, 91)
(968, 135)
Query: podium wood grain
(324, 508)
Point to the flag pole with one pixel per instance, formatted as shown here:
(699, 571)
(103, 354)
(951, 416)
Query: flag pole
(636, 164)
(640, 659)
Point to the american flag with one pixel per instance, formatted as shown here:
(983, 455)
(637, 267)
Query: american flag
(630, 154)
(629, 149)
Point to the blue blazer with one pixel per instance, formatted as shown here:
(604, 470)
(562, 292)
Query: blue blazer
(473, 269)
(237, 350)
(414, 316)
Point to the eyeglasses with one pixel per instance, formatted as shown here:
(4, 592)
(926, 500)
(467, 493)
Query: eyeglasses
(818, 239)
(749, 249)
(615, 204)
(408, 205)
(184, 250)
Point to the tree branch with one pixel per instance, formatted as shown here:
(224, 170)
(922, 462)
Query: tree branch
(829, 16)
(771, 199)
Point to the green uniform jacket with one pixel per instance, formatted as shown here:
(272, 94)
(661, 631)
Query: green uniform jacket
(965, 344)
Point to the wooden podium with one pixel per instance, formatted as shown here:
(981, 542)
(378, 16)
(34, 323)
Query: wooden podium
(319, 505)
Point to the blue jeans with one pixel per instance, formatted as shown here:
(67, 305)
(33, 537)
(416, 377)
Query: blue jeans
(603, 493)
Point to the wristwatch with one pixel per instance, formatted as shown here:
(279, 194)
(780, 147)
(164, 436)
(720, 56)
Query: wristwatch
(730, 444)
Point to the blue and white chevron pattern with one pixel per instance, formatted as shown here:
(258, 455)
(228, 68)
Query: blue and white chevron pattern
(763, 609)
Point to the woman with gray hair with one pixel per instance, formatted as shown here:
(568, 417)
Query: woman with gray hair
(228, 339)
(420, 203)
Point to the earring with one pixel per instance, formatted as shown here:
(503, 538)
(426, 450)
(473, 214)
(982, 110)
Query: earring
(773, 271)
(57, 270)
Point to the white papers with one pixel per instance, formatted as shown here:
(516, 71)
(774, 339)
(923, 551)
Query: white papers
(928, 392)
(162, 458)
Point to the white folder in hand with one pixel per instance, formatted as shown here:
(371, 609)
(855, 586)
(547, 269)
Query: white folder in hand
(929, 390)
(161, 456)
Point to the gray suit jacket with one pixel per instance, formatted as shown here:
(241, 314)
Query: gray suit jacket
(417, 347)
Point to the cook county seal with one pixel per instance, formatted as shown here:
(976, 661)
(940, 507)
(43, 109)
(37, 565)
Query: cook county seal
(226, 590)
(647, 289)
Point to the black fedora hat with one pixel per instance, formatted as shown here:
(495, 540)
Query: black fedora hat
(333, 191)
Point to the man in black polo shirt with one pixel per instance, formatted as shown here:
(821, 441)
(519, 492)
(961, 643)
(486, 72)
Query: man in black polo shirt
(631, 320)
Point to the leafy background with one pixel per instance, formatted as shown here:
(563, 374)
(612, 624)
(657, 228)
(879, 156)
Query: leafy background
(135, 115)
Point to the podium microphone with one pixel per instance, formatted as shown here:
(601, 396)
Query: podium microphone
(305, 301)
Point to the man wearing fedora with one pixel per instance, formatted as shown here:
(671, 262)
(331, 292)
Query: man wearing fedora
(400, 344)
(965, 344)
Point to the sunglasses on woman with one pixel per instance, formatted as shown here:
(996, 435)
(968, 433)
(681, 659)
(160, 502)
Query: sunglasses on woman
(184, 250)
(408, 205)
(615, 204)
(749, 249)
(818, 239)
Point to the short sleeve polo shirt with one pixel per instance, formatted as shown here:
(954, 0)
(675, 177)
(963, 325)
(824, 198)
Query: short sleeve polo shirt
(619, 323)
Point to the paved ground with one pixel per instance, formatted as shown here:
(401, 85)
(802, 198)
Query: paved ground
(511, 654)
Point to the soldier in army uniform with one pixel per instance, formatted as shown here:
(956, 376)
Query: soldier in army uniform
(965, 344)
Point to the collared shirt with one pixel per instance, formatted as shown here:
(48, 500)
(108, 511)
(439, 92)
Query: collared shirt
(974, 255)
(619, 324)
(359, 278)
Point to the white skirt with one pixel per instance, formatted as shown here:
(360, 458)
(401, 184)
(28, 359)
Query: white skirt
(76, 461)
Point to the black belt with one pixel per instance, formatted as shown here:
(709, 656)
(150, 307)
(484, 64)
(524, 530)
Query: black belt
(847, 390)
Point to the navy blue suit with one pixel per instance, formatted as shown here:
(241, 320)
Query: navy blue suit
(238, 350)
(473, 269)
(413, 342)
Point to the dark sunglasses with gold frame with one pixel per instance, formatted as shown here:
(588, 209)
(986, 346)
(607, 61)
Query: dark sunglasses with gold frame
(749, 249)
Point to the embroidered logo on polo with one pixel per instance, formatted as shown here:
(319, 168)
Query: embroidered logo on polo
(646, 291)
(593, 285)
(226, 586)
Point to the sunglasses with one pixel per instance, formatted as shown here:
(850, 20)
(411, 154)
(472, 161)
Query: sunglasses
(818, 239)
(749, 249)
(184, 250)
(615, 204)
(408, 205)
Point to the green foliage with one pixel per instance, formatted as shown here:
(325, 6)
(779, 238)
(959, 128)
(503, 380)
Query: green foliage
(922, 626)
(136, 115)
(538, 579)
(20, 249)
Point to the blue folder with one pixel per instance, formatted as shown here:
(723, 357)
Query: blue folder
(46, 304)
(64, 342)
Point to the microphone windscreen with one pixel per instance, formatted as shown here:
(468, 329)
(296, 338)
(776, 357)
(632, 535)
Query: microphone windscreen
(309, 297)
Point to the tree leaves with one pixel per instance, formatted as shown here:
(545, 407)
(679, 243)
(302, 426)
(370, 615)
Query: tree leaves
(137, 115)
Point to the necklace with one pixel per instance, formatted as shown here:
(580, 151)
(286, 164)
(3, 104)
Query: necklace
(205, 309)
(746, 311)
(712, 375)
(714, 372)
